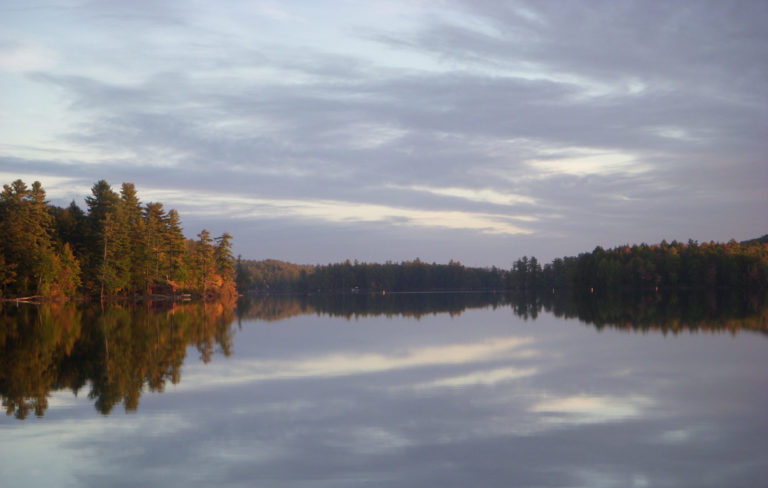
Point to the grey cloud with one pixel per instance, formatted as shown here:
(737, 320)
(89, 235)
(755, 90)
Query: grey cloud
(705, 42)
(141, 13)
(371, 242)
(678, 88)
(696, 62)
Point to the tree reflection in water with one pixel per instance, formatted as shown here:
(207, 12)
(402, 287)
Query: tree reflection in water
(117, 351)
(121, 350)
(676, 312)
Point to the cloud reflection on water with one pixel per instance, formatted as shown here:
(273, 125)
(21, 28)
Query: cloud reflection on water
(478, 398)
(350, 363)
(590, 408)
(486, 377)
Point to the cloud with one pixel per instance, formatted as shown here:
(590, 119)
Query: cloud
(346, 364)
(471, 194)
(480, 378)
(590, 408)
(513, 119)
(347, 212)
(24, 58)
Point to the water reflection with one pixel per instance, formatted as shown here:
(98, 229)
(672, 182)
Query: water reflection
(362, 305)
(667, 313)
(116, 352)
(411, 391)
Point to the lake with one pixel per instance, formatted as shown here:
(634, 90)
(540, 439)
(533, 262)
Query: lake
(407, 390)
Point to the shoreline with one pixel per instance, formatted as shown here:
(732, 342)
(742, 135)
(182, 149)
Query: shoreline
(39, 299)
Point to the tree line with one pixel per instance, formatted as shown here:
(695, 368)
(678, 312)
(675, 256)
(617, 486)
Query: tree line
(670, 266)
(280, 277)
(121, 246)
(118, 246)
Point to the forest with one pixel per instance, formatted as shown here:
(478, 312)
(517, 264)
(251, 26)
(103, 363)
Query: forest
(118, 246)
(666, 266)
(280, 277)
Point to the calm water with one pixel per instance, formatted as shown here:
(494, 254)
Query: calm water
(405, 390)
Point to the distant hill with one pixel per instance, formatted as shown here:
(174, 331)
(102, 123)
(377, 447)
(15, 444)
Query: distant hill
(763, 239)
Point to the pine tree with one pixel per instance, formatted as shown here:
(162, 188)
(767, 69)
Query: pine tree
(135, 229)
(25, 237)
(155, 237)
(175, 249)
(118, 247)
(32, 262)
(204, 262)
(225, 265)
(70, 227)
(108, 256)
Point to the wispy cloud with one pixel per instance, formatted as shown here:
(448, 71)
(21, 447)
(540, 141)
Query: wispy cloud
(473, 194)
(522, 120)
(244, 207)
(349, 363)
(480, 378)
(579, 409)
(23, 58)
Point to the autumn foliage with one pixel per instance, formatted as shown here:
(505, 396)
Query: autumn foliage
(117, 247)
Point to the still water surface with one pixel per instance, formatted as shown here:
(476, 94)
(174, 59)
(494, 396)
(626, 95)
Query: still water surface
(408, 390)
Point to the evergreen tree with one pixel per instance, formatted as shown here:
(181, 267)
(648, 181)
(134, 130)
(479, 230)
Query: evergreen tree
(132, 214)
(175, 248)
(155, 242)
(204, 262)
(118, 247)
(71, 227)
(30, 261)
(108, 258)
(225, 261)
(225, 265)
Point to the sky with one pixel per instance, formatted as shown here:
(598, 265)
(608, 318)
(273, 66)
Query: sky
(479, 131)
